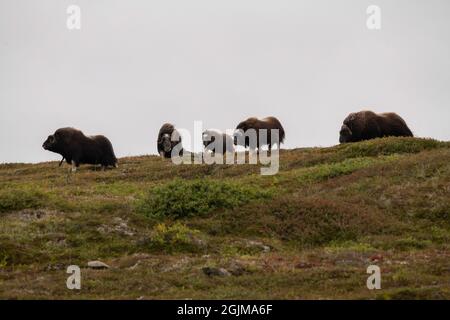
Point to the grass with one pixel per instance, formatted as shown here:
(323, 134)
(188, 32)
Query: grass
(175, 237)
(21, 198)
(332, 170)
(308, 232)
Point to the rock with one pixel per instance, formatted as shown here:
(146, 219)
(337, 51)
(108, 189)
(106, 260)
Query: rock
(120, 226)
(34, 214)
(97, 265)
(303, 265)
(133, 261)
(259, 245)
(178, 265)
(221, 272)
(123, 229)
(237, 269)
(56, 266)
(137, 264)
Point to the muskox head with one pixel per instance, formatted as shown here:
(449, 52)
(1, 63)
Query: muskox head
(239, 133)
(169, 141)
(52, 143)
(345, 135)
(166, 142)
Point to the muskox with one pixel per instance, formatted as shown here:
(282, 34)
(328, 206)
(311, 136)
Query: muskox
(365, 125)
(169, 139)
(243, 135)
(217, 142)
(76, 148)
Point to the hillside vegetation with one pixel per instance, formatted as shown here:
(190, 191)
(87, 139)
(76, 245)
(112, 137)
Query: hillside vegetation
(226, 232)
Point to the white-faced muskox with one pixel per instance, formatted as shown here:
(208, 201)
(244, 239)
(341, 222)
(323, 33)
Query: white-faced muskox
(248, 133)
(365, 125)
(169, 139)
(217, 142)
(76, 148)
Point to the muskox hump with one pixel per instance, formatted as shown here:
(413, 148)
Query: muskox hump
(257, 125)
(106, 156)
(217, 142)
(366, 125)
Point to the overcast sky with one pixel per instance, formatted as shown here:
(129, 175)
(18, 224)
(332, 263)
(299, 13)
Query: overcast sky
(136, 64)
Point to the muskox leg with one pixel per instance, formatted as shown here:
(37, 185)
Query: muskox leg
(252, 156)
(74, 166)
(61, 162)
(71, 170)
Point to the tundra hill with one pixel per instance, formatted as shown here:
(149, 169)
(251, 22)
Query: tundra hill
(226, 232)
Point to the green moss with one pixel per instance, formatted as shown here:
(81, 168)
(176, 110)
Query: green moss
(176, 237)
(328, 171)
(22, 198)
(410, 243)
(181, 198)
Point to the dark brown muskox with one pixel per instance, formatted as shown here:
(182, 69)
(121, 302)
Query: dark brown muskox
(168, 139)
(365, 125)
(242, 136)
(217, 142)
(76, 148)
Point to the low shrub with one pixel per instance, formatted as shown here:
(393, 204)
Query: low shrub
(181, 198)
(175, 238)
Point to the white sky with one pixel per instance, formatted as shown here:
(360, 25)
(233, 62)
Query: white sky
(136, 64)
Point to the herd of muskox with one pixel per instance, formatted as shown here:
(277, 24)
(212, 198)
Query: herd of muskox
(77, 148)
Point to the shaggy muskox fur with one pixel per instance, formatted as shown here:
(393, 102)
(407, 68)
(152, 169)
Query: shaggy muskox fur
(168, 138)
(365, 125)
(268, 123)
(209, 142)
(76, 148)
